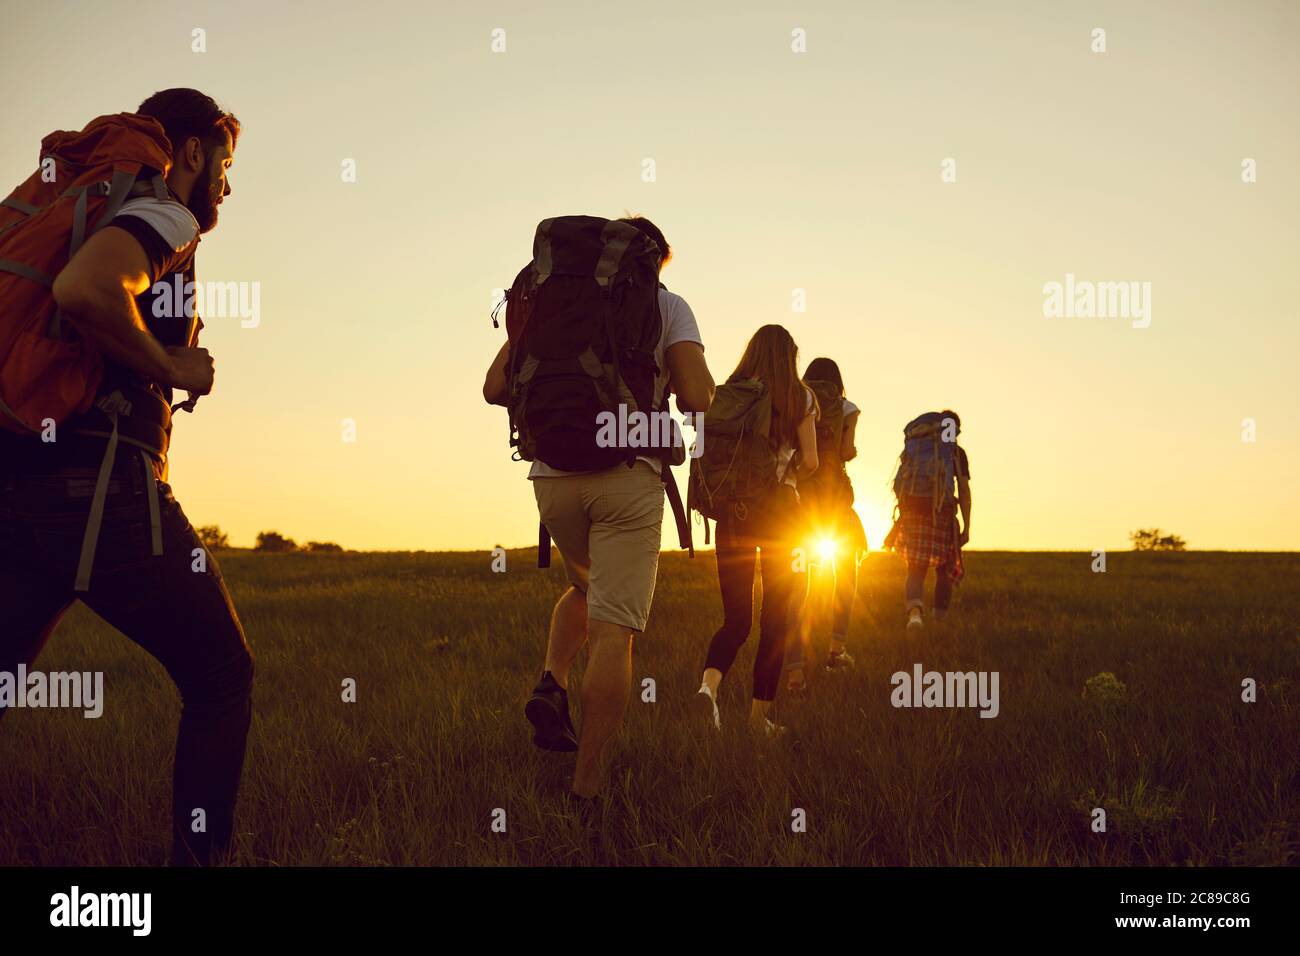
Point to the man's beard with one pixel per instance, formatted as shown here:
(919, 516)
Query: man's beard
(203, 202)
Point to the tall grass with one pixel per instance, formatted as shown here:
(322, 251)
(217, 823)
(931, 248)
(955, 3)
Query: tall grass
(444, 652)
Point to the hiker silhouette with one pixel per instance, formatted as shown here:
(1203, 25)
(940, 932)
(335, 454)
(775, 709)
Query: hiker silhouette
(86, 386)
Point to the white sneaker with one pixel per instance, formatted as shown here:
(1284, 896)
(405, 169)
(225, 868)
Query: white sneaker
(708, 706)
(771, 730)
(914, 620)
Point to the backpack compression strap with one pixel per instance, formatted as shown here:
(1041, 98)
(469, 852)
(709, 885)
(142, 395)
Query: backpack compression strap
(113, 406)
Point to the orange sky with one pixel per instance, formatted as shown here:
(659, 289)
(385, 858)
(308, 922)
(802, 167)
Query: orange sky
(775, 171)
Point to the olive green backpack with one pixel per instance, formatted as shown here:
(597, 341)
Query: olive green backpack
(734, 467)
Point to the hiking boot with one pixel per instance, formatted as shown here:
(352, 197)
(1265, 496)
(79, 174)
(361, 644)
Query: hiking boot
(548, 711)
(839, 662)
(914, 621)
(707, 706)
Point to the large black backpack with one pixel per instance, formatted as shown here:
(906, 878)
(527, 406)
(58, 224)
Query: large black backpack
(583, 322)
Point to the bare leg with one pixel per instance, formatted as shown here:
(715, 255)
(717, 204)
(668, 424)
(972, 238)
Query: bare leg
(605, 687)
(568, 634)
(712, 679)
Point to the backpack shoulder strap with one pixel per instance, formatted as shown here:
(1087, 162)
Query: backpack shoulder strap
(684, 536)
(543, 546)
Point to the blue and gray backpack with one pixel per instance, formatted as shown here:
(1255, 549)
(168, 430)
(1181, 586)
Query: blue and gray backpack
(928, 464)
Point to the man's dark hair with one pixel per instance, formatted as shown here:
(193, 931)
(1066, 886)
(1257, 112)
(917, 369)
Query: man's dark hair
(654, 232)
(184, 113)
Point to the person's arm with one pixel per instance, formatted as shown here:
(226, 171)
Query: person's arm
(806, 438)
(97, 291)
(689, 377)
(963, 502)
(495, 386)
(848, 451)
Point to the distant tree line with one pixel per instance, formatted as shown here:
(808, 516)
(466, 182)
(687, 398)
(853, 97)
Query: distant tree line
(214, 539)
(276, 542)
(1153, 539)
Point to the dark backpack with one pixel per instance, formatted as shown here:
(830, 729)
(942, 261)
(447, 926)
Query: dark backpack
(583, 322)
(928, 464)
(829, 485)
(736, 464)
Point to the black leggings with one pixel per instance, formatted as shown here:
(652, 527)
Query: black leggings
(181, 616)
(915, 585)
(738, 545)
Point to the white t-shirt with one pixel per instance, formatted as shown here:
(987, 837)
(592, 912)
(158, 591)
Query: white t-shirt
(786, 452)
(679, 326)
(849, 411)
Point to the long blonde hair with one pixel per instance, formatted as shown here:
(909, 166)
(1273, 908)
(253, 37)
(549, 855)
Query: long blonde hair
(772, 357)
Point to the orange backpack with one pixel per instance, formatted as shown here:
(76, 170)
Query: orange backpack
(47, 372)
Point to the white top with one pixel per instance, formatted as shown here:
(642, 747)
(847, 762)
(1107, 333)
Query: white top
(786, 452)
(849, 409)
(679, 326)
(172, 221)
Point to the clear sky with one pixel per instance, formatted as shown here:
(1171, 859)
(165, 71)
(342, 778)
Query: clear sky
(775, 171)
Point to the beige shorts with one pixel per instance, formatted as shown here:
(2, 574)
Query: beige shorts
(607, 526)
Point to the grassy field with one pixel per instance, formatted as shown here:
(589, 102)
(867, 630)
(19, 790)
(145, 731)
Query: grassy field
(444, 653)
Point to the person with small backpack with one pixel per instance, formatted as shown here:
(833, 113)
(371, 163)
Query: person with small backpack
(931, 485)
(833, 532)
(759, 437)
(594, 339)
(90, 353)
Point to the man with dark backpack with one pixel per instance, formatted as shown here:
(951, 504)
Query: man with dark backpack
(595, 345)
(89, 358)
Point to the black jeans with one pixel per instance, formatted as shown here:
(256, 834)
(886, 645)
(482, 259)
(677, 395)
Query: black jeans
(738, 543)
(183, 617)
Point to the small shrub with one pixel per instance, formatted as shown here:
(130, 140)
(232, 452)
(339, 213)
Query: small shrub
(1153, 539)
(1105, 689)
(213, 538)
(275, 542)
